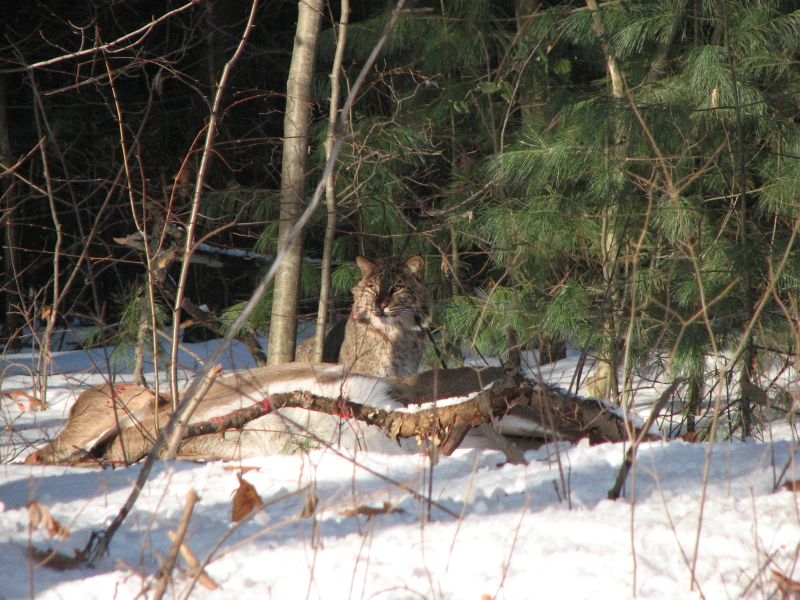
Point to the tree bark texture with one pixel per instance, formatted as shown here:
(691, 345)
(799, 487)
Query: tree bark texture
(609, 361)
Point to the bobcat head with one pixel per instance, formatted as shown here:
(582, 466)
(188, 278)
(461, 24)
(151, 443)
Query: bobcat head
(391, 296)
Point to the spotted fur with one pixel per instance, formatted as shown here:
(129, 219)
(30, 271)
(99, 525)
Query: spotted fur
(385, 335)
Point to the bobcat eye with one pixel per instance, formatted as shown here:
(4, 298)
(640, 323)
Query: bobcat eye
(397, 289)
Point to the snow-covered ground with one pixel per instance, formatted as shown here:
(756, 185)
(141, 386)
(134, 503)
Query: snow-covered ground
(696, 521)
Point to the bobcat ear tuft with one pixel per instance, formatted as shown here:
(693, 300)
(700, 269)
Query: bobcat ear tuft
(366, 266)
(416, 266)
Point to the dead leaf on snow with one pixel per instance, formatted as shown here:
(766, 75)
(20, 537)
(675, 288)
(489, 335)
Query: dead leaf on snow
(791, 486)
(245, 500)
(40, 516)
(311, 505)
(56, 560)
(240, 468)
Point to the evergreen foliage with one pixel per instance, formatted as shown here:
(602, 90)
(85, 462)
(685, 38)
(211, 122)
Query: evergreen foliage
(693, 172)
(134, 309)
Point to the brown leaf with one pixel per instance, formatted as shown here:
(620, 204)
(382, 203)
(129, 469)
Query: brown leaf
(789, 587)
(39, 515)
(34, 403)
(56, 560)
(245, 500)
(791, 485)
(311, 505)
(371, 511)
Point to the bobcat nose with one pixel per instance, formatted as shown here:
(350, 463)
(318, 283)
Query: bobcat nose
(383, 304)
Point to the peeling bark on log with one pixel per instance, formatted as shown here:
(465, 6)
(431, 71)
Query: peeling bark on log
(574, 417)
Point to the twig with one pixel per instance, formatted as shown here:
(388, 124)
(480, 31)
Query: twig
(235, 528)
(630, 455)
(195, 568)
(330, 188)
(179, 427)
(166, 570)
(205, 158)
(789, 461)
(108, 46)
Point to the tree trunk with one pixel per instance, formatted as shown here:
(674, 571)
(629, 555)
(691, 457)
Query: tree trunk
(141, 336)
(693, 407)
(297, 120)
(610, 230)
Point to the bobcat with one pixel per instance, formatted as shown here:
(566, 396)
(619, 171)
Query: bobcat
(384, 335)
(386, 331)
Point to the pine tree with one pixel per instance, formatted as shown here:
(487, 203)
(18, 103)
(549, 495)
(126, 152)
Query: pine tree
(679, 167)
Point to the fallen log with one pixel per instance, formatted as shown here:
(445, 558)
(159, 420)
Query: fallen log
(429, 405)
(438, 407)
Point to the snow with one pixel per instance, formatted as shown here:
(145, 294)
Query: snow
(336, 381)
(545, 530)
(415, 408)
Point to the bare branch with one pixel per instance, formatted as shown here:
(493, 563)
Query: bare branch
(110, 46)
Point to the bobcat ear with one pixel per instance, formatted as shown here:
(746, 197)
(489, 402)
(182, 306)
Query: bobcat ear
(366, 266)
(416, 266)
